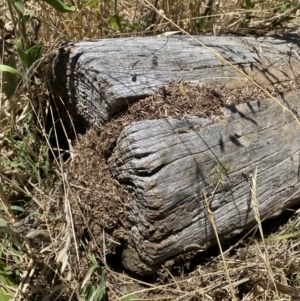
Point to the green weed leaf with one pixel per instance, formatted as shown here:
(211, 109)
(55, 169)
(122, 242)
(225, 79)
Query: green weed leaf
(30, 56)
(5, 68)
(6, 280)
(61, 6)
(6, 276)
(248, 4)
(3, 223)
(10, 80)
(284, 8)
(22, 56)
(35, 53)
(94, 292)
(19, 5)
(3, 295)
(115, 22)
(25, 19)
(17, 208)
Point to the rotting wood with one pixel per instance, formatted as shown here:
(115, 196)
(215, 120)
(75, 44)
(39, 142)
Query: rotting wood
(167, 162)
(96, 79)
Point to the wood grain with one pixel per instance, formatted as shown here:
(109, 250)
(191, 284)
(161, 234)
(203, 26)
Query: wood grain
(96, 79)
(167, 162)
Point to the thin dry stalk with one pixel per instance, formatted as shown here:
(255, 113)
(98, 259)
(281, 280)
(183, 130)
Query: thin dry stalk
(278, 287)
(255, 208)
(63, 257)
(212, 221)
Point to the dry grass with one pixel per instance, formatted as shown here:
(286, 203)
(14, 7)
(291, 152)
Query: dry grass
(55, 235)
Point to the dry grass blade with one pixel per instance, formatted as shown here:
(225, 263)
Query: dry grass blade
(278, 287)
(254, 203)
(167, 34)
(212, 222)
(255, 207)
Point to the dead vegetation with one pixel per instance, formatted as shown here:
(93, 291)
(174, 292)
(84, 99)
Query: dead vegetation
(63, 222)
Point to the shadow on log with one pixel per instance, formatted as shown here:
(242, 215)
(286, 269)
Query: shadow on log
(168, 162)
(99, 78)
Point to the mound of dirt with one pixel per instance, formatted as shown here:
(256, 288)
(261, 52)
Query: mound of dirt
(100, 199)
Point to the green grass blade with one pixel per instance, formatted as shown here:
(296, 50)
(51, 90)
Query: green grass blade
(5, 68)
(10, 80)
(61, 6)
(4, 296)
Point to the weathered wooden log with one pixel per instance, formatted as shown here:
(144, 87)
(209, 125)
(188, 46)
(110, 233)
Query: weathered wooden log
(171, 162)
(99, 78)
